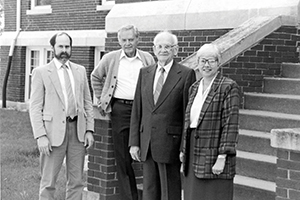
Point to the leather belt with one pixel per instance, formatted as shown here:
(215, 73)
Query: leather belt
(124, 101)
(69, 119)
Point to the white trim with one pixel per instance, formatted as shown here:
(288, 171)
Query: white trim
(196, 14)
(106, 5)
(38, 10)
(41, 38)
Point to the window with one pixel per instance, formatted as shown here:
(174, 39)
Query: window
(35, 57)
(39, 7)
(106, 5)
(42, 2)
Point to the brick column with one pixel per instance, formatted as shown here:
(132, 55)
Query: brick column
(102, 181)
(287, 142)
(102, 178)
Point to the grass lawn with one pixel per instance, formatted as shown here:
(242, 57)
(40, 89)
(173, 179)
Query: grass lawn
(20, 172)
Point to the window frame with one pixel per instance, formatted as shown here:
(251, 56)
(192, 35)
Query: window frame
(38, 9)
(28, 72)
(106, 5)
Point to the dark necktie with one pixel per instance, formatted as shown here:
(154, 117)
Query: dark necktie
(159, 85)
(71, 110)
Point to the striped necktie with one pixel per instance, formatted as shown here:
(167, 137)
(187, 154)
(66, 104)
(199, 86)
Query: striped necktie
(71, 110)
(159, 85)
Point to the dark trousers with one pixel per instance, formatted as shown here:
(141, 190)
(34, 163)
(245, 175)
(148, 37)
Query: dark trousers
(120, 120)
(161, 181)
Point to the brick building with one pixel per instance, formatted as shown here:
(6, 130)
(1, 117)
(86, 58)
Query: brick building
(257, 38)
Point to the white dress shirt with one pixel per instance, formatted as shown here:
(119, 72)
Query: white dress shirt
(60, 72)
(198, 103)
(128, 74)
(158, 72)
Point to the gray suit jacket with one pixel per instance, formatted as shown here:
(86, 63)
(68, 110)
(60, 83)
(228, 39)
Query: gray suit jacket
(159, 127)
(47, 105)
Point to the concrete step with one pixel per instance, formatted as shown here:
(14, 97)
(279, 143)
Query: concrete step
(282, 103)
(255, 142)
(246, 188)
(291, 70)
(282, 85)
(265, 120)
(88, 195)
(255, 165)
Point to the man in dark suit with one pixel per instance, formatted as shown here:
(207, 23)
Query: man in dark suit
(61, 115)
(157, 120)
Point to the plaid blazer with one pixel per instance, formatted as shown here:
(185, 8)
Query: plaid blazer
(217, 129)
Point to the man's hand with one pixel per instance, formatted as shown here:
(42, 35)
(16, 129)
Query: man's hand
(135, 153)
(102, 112)
(88, 139)
(44, 145)
(181, 156)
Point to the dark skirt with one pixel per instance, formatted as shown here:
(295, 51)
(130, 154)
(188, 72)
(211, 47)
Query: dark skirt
(205, 189)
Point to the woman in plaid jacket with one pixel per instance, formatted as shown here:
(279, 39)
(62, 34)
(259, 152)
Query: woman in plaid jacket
(210, 133)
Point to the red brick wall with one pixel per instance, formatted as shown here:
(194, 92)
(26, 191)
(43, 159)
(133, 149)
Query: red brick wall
(288, 175)
(188, 41)
(16, 79)
(84, 56)
(66, 15)
(264, 59)
(248, 68)
(102, 176)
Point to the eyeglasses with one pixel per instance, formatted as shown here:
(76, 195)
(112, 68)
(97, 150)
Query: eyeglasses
(166, 47)
(202, 61)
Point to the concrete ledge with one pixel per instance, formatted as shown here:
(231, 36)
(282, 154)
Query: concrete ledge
(286, 139)
(88, 195)
(195, 14)
(20, 106)
(41, 38)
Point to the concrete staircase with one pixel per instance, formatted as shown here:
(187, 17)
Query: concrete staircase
(277, 107)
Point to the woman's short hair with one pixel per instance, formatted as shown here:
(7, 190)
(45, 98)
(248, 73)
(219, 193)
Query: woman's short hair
(215, 51)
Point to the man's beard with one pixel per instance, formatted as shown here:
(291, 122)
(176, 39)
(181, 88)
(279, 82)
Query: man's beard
(62, 56)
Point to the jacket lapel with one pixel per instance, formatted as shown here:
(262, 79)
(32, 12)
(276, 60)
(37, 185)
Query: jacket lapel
(210, 96)
(55, 80)
(149, 84)
(171, 81)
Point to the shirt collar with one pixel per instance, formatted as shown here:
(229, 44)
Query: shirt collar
(166, 67)
(137, 55)
(58, 64)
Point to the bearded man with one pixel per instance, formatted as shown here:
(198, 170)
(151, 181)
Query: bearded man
(61, 116)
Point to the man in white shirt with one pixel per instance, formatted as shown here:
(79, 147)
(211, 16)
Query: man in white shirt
(120, 70)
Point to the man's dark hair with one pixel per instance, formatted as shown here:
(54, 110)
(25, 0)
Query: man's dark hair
(53, 39)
